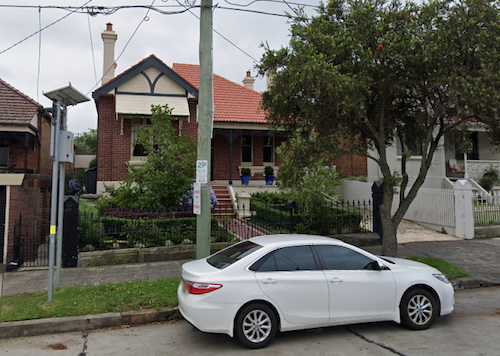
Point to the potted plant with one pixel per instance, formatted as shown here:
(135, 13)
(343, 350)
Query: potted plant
(245, 175)
(269, 173)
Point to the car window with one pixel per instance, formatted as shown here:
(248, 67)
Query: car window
(295, 258)
(343, 258)
(228, 256)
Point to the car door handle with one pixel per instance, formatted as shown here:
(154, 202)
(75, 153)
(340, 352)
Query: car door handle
(335, 280)
(269, 281)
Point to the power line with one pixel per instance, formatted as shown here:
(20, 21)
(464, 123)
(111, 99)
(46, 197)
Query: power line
(145, 18)
(92, 48)
(53, 23)
(39, 54)
(221, 35)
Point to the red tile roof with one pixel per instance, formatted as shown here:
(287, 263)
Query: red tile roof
(232, 102)
(16, 107)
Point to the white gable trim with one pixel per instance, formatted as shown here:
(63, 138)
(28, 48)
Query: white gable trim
(141, 104)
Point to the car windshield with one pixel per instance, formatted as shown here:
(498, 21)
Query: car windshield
(227, 257)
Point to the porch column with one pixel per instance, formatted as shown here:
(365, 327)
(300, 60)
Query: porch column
(26, 143)
(230, 157)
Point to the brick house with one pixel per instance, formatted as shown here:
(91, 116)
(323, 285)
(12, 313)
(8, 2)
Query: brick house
(25, 169)
(241, 135)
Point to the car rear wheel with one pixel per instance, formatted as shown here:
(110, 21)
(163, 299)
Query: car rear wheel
(256, 326)
(418, 309)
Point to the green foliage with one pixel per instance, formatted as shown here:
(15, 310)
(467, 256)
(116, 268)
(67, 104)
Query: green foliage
(100, 233)
(245, 171)
(363, 73)
(491, 177)
(91, 300)
(450, 270)
(308, 178)
(166, 177)
(326, 221)
(93, 163)
(89, 226)
(268, 171)
(86, 143)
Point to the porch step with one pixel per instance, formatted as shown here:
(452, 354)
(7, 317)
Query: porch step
(225, 206)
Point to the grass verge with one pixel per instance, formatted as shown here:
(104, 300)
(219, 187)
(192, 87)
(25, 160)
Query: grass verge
(450, 270)
(90, 300)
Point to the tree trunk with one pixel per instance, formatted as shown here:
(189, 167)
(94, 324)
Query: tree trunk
(389, 238)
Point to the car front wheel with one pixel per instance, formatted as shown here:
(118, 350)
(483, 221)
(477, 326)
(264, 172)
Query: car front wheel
(256, 326)
(418, 309)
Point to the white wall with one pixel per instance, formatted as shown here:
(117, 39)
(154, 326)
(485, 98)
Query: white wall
(435, 174)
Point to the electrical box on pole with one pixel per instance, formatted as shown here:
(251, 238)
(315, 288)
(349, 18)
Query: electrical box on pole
(66, 147)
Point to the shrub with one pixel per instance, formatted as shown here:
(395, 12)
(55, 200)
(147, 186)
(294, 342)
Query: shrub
(269, 171)
(491, 177)
(245, 171)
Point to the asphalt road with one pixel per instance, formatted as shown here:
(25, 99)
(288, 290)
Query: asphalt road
(472, 329)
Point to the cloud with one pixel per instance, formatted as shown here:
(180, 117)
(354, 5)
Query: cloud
(66, 50)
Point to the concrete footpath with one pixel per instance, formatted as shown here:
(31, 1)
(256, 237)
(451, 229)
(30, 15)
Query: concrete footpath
(481, 258)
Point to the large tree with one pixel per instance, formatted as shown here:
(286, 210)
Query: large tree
(362, 74)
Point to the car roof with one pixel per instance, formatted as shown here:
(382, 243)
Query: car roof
(291, 239)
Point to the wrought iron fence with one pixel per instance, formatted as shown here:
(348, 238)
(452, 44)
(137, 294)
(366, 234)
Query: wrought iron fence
(30, 248)
(120, 228)
(333, 218)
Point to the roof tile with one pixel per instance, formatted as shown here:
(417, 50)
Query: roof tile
(16, 107)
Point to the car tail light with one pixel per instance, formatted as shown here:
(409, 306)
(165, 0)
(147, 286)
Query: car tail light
(201, 288)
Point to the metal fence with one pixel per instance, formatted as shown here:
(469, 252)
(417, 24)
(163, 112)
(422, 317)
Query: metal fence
(127, 228)
(30, 248)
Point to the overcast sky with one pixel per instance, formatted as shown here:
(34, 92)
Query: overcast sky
(71, 50)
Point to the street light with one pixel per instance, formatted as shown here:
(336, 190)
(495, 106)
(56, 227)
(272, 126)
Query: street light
(61, 151)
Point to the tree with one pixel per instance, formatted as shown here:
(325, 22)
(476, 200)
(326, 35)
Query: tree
(86, 142)
(166, 177)
(365, 73)
(308, 178)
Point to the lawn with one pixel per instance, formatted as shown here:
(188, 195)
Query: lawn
(89, 300)
(450, 270)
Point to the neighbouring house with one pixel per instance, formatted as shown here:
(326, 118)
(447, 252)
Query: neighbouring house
(25, 173)
(241, 134)
(449, 162)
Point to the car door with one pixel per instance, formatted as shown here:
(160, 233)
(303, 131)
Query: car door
(290, 277)
(357, 291)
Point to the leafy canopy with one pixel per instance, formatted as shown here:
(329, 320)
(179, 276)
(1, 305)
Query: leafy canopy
(86, 142)
(363, 73)
(166, 177)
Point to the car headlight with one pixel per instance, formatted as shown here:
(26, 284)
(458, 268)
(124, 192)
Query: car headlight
(441, 277)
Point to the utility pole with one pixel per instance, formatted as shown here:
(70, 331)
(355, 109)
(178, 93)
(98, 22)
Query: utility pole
(205, 126)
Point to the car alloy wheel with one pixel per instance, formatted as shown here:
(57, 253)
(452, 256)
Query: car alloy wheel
(418, 309)
(256, 326)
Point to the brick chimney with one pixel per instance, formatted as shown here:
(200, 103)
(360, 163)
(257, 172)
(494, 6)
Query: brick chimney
(109, 38)
(248, 81)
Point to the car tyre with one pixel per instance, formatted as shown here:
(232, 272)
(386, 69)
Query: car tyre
(418, 309)
(256, 326)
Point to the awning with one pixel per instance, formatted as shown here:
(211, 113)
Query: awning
(141, 104)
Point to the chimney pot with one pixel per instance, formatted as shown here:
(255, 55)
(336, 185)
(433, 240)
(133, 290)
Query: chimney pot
(248, 81)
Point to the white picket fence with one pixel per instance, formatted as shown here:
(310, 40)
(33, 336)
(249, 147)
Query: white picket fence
(431, 206)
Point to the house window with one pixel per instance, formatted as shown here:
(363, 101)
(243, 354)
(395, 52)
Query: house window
(416, 150)
(473, 145)
(4, 153)
(246, 149)
(268, 149)
(138, 149)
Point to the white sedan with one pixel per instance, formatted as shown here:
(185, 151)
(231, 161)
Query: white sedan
(266, 284)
